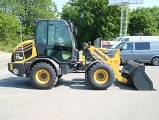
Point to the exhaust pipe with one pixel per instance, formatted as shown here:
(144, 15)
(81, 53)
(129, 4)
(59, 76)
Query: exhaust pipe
(134, 72)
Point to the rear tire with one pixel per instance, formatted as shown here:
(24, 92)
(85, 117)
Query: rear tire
(100, 76)
(155, 61)
(43, 76)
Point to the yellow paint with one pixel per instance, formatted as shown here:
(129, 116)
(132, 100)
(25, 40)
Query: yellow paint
(11, 66)
(101, 76)
(82, 58)
(114, 62)
(31, 45)
(40, 79)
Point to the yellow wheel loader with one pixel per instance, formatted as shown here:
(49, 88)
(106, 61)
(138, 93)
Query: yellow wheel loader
(53, 53)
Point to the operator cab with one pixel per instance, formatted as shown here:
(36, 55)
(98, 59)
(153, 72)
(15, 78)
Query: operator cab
(55, 39)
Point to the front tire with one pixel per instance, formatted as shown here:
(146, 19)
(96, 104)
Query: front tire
(100, 76)
(43, 76)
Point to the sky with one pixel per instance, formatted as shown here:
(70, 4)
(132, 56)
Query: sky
(146, 3)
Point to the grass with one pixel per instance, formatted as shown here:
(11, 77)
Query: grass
(7, 48)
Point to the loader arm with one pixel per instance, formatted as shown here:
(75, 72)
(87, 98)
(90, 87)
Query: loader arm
(113, 61)
(132, 73)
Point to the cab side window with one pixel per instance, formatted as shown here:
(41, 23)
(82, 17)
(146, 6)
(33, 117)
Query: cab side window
(42, 32)
(51, 34)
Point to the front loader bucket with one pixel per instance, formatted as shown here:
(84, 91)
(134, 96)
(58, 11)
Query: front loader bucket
(134, 72)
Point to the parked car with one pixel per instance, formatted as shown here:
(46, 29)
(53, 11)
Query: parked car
(145, 51)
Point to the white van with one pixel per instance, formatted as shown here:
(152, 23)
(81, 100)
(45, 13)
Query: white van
(133, 38)
(118, 40)
(138, 38)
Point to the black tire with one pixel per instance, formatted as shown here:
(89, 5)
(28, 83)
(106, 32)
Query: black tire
(155, 61)
(100, 76)
(43, 76)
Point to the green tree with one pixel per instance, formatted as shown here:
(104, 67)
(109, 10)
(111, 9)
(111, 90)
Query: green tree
(142, 20)
(155, 11)
(98, 20)
(29, 11)
(9, 32)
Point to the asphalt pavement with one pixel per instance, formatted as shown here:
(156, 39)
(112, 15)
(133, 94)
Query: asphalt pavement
(73, 99)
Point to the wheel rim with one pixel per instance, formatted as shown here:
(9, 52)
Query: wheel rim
(101, 76)
(156, 61)
(42, 76)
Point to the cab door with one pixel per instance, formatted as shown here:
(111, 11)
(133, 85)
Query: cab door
(59, 41)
